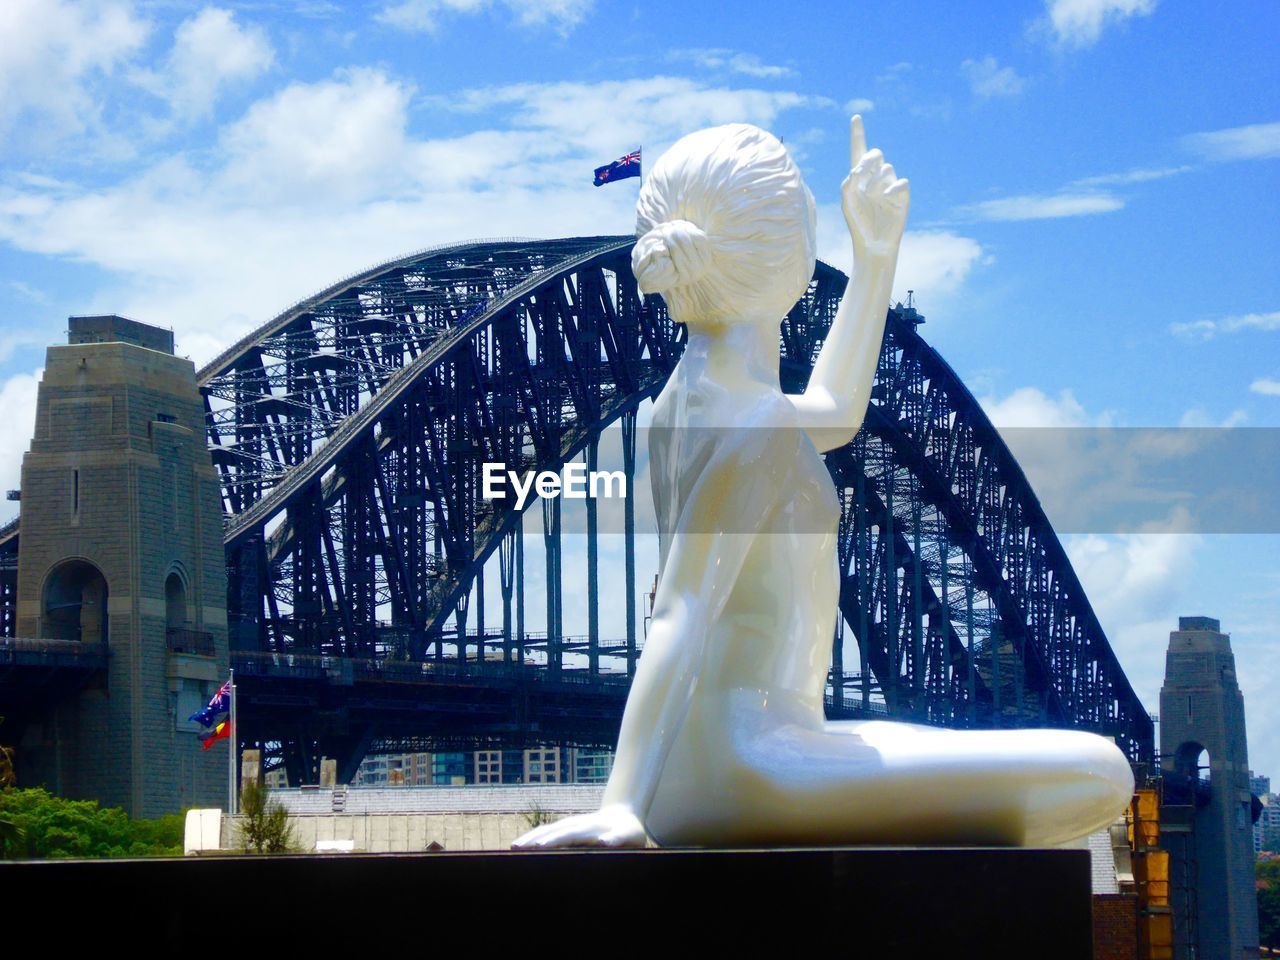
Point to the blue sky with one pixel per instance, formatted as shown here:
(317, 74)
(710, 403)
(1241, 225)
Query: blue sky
(1093, 233)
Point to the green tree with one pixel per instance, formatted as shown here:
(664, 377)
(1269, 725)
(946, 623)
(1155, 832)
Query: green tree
(1268, 874)
(12, 837)
(49, 826)
(264, 824)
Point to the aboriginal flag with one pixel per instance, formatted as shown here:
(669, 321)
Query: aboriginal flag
(620, 169)
(221, 731)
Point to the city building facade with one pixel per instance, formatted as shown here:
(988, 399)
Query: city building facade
(1266, 831)
(545, 764)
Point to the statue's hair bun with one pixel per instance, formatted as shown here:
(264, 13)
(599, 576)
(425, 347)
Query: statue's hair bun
(673, 254)
(725, 227)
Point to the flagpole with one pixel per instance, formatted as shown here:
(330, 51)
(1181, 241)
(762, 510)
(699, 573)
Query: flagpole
(231, 750)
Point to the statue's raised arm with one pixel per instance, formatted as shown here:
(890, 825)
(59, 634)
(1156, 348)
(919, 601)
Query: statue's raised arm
(875, 202)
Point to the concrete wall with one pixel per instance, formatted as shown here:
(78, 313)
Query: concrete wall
(406, 819)
(406, 832)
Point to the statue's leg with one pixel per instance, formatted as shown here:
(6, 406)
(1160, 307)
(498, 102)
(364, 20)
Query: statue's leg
(891, 783)
(886, 782)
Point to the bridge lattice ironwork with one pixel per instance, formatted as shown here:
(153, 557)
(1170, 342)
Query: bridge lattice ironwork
(349, 434)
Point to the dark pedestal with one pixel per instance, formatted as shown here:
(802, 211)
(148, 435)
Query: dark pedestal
(862, 902)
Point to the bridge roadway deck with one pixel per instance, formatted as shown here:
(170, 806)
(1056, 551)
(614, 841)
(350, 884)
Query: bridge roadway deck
(436, 704)
(35, 673)
(430, 701)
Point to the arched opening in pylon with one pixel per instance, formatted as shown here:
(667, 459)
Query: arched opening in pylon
(75, 603)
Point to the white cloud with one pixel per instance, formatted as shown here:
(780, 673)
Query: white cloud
(988, 79)
(719, 58)
(316, 9)
(1199, 417)
(562, 14)
(1080, 198)
(1195, 329)
(1250, 618)
(322, 179)
(1092, 475)
(30, 294)
(25, 336)
(933, 263)
(52, 53)
(618, 114)
(342, 138)
(210, 50)
(1140, 175)
(1079, 23)
(859, 105)
(1066, 464)
(1254, 142)
(1138, 584)
(1133, 577)
(895, 73)
(1044, 206)
(18, 404)
(425, 16)
(1266, 387)
(1030, 407)
(1208, 329)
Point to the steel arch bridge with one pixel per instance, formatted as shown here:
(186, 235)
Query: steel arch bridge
(349, 434)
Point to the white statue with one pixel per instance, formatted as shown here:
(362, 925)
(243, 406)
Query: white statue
(723, 740)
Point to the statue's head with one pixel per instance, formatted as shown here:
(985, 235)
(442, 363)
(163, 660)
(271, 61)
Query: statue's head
(726, 227)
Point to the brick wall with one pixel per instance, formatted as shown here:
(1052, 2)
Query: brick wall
(1115, 926)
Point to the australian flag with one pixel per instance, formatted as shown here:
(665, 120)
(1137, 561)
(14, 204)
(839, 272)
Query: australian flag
(211, 712)
(620, 169)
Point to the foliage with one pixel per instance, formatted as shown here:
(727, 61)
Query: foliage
(1268, 874)
(12, 837)
(536, 816)
(49, 826)
(264, 824)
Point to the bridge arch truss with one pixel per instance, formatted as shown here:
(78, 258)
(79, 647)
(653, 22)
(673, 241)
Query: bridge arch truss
(349, 435)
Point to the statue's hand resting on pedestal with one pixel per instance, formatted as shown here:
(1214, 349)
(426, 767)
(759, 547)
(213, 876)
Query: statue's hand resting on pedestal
(874, 200)
(614, 825)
